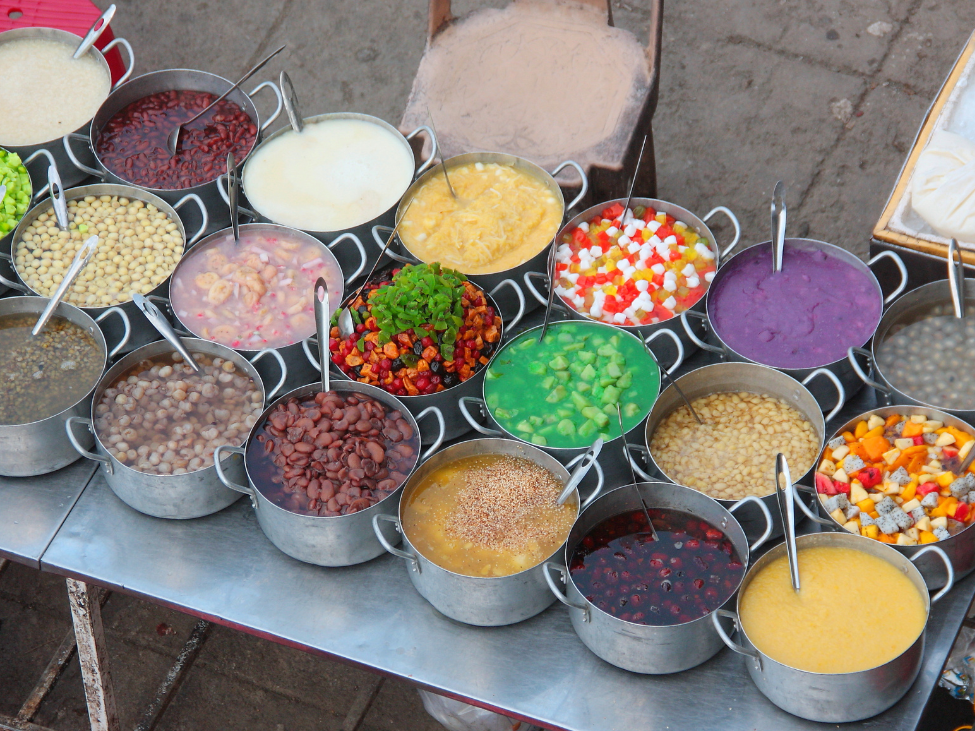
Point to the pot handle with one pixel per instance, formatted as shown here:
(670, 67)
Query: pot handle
(433, 152)
(547, 569)
(582, 174)
(900, 267)
(381, 243)
(438, 415)
(46, 188)
(851, 356)
(930, 548)
(521, 301)
(131, 66)
(203, 210)
(723, 253)
(217, 459)
(277, 93)
(600, 478)
(126, 328)
(840, 391)
(358, 245)
(66, 141)
(69, 428)
(165, 306)
(643, 452)
(716, 621)
(462, 405)
(281, 366)
(17, 286)
(680, 346)
(223, 184)
(765, 514)
(529, 276)
(392, 549)
(828, 523)
(309, 354)
(693, 336)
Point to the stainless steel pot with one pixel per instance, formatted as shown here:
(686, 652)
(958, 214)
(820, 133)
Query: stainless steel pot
(299, 370)
(192, 495)
(840, 368)
(833, 697)
(363, 229)
(722, 377)
(960, 548)
(915, 305)
(41, 446)
(485, 601)
(153, 83)
(142, 332)
(662, 349)
(643, 648)
(610, 465)
(491, 281)
(343, 540)
(70, 175)
(446, 401)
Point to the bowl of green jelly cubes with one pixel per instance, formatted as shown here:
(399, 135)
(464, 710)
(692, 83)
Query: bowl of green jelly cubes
(18, 190)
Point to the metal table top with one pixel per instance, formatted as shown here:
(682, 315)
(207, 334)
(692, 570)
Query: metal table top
(33, 508)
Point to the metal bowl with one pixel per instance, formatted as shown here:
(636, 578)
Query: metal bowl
(192, 495)
(343, 540)
(489, 601)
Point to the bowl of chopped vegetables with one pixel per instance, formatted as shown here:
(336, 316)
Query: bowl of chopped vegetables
(421, 331)
(16, 199)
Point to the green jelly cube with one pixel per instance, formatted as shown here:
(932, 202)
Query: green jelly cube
(588, 429)
(535, 420)
(563, 376)
(606, 350)
(558, 363)
(613, 371)
(588, 373)
(524, 426)
(586, 356)
(557, 394)
(539, 440)
(548, 383)
(611, 395)
(601, 419)
(566, 428)
(579, 400)
(537, 368)
(631, 409)
(625, 381)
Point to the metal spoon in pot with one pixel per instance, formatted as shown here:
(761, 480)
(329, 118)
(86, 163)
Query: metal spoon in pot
(786, 499)
(673, 382)
(626, 458)
(93, 34)
(290, 99)
(636, 170)
(320, 297)
(58, 201)
(159, 321)
(956, 278)
(80, 261)
(233, 191)
(172, 141)
(443, 163)
(582, 469)
(551, 292)
(778, 225)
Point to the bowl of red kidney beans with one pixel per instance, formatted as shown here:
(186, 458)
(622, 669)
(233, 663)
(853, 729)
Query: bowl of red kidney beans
(129, 132)
(643, 603)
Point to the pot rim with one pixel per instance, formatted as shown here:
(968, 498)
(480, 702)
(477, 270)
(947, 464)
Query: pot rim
(813, 244)
(410, 485)
(315, 119)
(207, 240)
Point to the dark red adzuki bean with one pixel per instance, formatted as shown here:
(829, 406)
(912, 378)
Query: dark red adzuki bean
(133, 142)
(330, 455)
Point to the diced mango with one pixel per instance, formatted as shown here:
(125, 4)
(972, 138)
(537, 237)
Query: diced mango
(866, 505)
(928, 537)
(912, 429)
(860, 429)
(872, 531)
(945, 479)
(910, 489)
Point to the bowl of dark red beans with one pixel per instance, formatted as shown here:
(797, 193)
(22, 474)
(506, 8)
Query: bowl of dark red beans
(321, 464)
(129, 133)
(642, 603)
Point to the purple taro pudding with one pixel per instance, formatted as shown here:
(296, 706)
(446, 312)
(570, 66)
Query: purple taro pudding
(805, 316)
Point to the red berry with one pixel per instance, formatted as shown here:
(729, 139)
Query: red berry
(428, 341)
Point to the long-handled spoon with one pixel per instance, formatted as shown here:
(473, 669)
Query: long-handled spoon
(551, 292)
(443, 162)
(673, 382)
(80, 261)
(581, 470)
(93, 34)
(172, 141)
(233, 191)
(159, 321)
(321, 324)
(626, 458)
(956, 278)
(778, 226)
(636, 170)
(786, 499)
(58, 201)
(290, 99)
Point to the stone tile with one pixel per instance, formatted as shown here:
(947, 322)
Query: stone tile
(857, 177)
(28, 639)
(398, 707)
(143, 624)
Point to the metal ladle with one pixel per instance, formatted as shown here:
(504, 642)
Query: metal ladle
(80, 261)
(956, 278)
(626, 458)
(778, 225)
(551, 292)
(58, 201)
(582, 469)
(159, 321)
(94, 33)
(673, 382)
(321, 325)
(443, 163)
(290, 99)
(786, 498)
(172, 141)
(233, 191)
(636, 170)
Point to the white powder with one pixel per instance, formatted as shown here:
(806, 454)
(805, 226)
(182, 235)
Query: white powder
(46, 93)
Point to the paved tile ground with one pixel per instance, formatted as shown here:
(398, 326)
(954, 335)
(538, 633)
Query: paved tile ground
(824, 94)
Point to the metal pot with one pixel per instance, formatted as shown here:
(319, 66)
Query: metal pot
(142, 331)
(41, 446)
(841, 368)
(192, 495)
(642, 648)
(299, 371)
(722, 377)
(153, 83)
(662, 351)
(343, 540)
(491, 281)
(362, 230)
(70, 174)
(833, 697)
(446, 401)
(913, 306)
(490, 601)
(960, 548)
(610, 467)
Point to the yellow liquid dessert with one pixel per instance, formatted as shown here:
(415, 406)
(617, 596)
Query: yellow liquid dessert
(501, 218)
(854, 611)
(490, 515)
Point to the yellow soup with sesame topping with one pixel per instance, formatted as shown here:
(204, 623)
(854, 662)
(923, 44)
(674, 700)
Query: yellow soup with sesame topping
(490, 515)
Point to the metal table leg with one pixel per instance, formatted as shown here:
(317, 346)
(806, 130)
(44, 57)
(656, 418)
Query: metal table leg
(100, 695)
